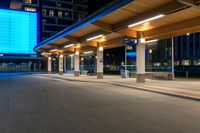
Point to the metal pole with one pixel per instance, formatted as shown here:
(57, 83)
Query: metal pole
(173, 76)
(125, 59)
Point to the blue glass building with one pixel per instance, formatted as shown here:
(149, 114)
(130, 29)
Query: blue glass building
(18, 36)
(18, 32)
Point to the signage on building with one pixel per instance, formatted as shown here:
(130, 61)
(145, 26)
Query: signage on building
(129, 41)
(129, 47)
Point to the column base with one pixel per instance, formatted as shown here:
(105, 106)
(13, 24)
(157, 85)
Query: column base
(140, 78)
(99, 75)
(49, 72)
(76, 73)
(173, 76)
(60, 72)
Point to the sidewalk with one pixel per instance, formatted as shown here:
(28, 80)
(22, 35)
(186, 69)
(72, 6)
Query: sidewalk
(189, 89)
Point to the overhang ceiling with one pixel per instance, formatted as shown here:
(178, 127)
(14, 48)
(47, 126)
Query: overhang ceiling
(179, 19)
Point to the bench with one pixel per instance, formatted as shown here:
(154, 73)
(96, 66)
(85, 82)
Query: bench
(155, 75)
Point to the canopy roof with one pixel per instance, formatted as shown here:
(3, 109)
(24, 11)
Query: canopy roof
(149, 19)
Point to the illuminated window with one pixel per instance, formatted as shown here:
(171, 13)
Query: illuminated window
(44, 12)
(28, 1)
(60, 13)
(18, 32)
(186, 62)
(197, 62)
(51, 12)
(59, 4)
(66, 14)
(44, 20)
(80, 16)
(30, 9)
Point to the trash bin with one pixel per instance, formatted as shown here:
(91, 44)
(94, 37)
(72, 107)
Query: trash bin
(125, 74)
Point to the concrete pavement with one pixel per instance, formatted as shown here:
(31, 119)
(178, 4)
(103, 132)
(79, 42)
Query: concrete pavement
(36, 104)
(189, 89)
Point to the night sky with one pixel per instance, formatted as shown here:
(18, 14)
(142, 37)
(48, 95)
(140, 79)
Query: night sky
(96, 4)
(5, 4)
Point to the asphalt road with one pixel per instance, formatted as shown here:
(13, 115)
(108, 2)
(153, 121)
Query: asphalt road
(32, 104)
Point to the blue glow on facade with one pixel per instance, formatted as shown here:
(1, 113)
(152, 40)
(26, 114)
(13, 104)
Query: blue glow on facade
(18, 32)
(131, 55)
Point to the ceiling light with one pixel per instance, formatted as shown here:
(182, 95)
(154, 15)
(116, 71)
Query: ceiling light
(150, 41)
(100, 48)
(53, 50)
(142, 40)
(88, 52)
(69, 45)
(71, 55)
(146, 20)
(76, 53)
(150, 51)
(95, 37)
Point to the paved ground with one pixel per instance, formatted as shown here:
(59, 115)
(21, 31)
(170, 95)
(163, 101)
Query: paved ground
(34, 104)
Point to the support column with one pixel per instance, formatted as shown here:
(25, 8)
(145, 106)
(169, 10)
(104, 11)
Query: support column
(76, 64)
(65, 64)
(100, 62)
(49, 65)
(140, 62)
(61, 64)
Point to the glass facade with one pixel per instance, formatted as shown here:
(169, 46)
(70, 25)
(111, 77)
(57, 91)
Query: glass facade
(186, 54)
(70, 63)
(18, 32)
(88, 61)
(159, 56)
(18, 37)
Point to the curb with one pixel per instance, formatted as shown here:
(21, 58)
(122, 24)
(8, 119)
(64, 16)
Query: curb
(132, 87)
(159, 92)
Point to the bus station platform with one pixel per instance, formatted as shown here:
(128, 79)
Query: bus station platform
(180, 87)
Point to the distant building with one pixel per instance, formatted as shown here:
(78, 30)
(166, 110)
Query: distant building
(55, 15)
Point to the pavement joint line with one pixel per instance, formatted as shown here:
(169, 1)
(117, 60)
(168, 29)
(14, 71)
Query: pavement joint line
(143, 88)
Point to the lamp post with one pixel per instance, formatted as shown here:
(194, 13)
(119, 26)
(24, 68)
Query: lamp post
(125, 65)
(173, 76)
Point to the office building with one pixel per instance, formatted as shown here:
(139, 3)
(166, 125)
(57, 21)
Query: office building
(55, 15)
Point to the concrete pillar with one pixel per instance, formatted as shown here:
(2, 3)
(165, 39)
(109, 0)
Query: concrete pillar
(65, 64)
(61, 64)
(140, 62)
(100, 62)
(49, 65)
(76, 64)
